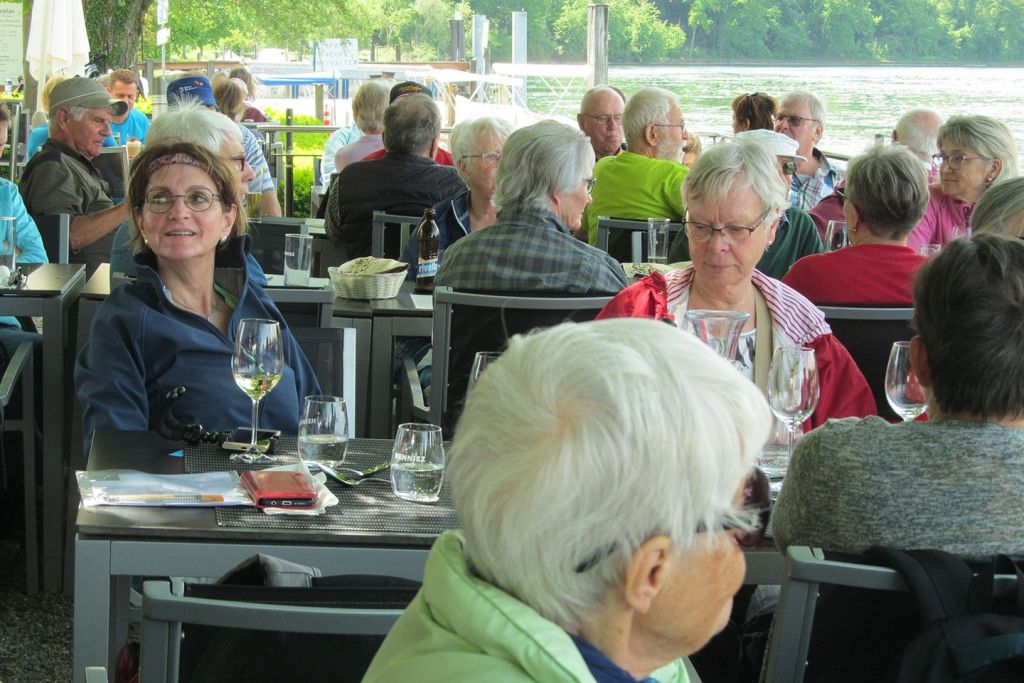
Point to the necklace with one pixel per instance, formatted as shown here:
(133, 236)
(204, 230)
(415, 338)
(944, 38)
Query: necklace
(213, 305)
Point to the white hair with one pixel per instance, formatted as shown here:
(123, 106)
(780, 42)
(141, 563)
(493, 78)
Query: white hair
(918, 129)
(1001, 209)
(729, 166)
(540, 159)
(814, 104)
(646, 106)
(76, 113)
(193, 122)
(988, 137)
(465, 137)
(584, 440)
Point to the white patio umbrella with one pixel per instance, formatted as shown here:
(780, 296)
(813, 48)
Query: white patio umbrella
(57, 40)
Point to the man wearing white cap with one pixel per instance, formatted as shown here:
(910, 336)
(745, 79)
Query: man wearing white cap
(796, 235)
(60, 178)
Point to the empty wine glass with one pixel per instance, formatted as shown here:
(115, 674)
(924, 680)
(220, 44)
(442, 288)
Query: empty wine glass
(902, 390)
(480, 363)
(836, 236)
(793, 389)
(718, 329)
(257, 365)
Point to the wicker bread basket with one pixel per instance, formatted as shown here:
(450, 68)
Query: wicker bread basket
(352, 281)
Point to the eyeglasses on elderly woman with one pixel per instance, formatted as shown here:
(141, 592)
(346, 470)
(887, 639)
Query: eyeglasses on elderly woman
(954, 161)
(197, 199)
(733, 234)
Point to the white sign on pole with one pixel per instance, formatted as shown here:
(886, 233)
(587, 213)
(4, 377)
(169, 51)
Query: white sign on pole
(12, 52)
(161, 12)
(163, 35)
(336, 53)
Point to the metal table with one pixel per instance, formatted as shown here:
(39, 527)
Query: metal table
(115, 543)
(52, 289)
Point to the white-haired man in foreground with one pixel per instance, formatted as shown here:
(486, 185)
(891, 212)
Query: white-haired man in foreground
(596, 474)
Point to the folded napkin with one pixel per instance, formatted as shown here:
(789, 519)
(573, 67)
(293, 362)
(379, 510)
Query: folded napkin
(368, 265)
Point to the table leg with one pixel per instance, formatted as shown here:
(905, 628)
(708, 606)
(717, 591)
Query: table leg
(92, 606)
(380, 378)
(362, 327)
(55, 384)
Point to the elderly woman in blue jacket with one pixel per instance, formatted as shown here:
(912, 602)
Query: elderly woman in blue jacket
(598, 543)
(176, 324)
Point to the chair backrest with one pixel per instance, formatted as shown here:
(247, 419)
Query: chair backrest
(840, 618)
(245, 631)
(613, 233)
(56, 234)
(466, 322)
(324, 348)
(390, 233)
(267, 235)
(868, 334)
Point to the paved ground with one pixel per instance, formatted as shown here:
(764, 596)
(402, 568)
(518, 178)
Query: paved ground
(35, 632)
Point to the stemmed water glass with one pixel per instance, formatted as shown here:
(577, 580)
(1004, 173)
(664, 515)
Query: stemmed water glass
(793, 389)
(480, 363)
(257, 365)
(902, 390)
(836, 236)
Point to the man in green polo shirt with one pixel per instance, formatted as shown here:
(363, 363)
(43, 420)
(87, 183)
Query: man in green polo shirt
(646, 180)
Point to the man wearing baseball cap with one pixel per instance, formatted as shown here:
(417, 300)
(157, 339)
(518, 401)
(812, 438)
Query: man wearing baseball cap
(441, 156)
(198, 89)
(796, 235)
(60, 178)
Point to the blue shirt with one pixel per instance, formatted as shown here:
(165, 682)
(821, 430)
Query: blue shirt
(135, 126)
(254, 155)
(40, 134)
(601, 668)
(28, 240)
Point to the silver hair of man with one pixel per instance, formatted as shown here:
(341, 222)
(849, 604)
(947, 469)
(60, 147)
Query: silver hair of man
(918, 129)
(411, 125)
(729, 166)
(369, 104)
(889, 188)
(555, 464)
(547, 157)
(193, 122)
(814, 103)
(466, 135)
(76, 113)
(1001, 209)
(646, 106)
(988, 137)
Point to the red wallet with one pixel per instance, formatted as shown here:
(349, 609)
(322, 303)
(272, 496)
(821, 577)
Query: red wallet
(279, 489)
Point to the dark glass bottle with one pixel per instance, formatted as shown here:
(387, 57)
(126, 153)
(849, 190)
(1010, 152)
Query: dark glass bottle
(428, 239)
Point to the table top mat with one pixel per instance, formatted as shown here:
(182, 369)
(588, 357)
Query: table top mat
(370, 508)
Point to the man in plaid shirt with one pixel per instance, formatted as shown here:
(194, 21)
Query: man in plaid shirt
(541, 187)
(802, 117)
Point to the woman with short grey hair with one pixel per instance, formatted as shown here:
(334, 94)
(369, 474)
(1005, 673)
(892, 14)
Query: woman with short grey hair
(734, 200)
(476, 148)
(590, 538)
(368, 107)
(975, 153)
(1001, 210)
(886, 194)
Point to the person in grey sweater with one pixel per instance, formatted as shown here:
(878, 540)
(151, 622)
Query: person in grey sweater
(955, 482)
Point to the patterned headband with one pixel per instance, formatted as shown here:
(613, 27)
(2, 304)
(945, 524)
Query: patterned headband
(175, 158)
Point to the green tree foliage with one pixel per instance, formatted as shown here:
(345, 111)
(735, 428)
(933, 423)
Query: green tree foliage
(640, 31)
(636, 32)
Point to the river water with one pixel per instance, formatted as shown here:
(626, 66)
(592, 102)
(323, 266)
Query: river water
(861, 100)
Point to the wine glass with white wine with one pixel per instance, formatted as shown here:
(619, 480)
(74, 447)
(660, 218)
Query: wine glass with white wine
(902, 390)
(257, 364)
(793, 389)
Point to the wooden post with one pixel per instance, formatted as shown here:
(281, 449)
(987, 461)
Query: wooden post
(398, 52)
(318, 100)
(597, 45)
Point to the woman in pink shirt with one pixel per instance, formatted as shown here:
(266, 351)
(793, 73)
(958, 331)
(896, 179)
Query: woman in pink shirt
(975, 153)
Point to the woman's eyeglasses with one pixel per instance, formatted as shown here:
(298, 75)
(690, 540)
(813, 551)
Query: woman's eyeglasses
(492, 157)
(954, 161)
(590, 182)
(198, 200)
(239, 162)
(733, 234)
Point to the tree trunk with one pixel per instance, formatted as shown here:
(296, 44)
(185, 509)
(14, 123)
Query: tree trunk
(115, 29)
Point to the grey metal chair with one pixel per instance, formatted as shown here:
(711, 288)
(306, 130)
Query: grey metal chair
(165, 607)
(267, 235)
(806, 572)
(383, 243)
(20, 367)
(868, 334)
(56, 233)
(324, 348)
(465, 323)
(636, 230)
